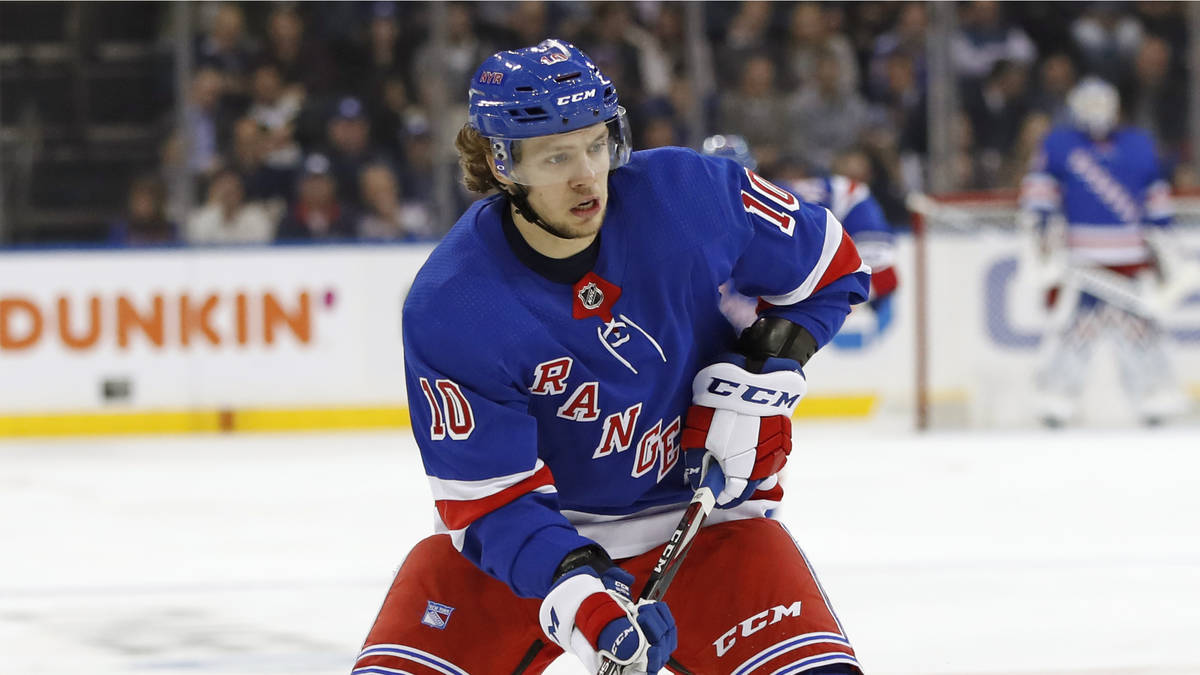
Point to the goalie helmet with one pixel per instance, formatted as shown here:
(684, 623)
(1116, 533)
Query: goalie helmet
(552, 88)
(1094, 106)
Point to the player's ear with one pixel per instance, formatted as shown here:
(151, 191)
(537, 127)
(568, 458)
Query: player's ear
(501, 178)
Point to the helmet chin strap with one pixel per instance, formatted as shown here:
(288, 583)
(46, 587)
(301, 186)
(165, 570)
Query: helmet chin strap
(519, 197)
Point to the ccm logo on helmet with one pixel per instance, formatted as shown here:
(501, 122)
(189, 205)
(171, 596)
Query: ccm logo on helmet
(752, 394)
(577, 97)
(754, 624)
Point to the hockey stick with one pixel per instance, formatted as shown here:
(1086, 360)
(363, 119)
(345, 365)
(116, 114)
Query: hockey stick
(677, 547)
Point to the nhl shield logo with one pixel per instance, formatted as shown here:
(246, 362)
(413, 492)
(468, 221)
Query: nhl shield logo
(436, 615)
(591, 296)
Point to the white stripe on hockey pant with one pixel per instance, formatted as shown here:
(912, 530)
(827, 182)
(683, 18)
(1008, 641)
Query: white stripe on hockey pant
(380, 670)
(833, 240)
(786, 646)
(469, 490)
(412, 654)
(815, 661)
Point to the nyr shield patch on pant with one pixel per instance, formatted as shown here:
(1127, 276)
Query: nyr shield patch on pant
(436, 615)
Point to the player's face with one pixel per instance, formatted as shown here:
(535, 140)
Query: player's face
(567, 179)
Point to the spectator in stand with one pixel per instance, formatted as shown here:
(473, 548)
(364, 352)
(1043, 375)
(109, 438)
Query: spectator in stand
(349, 149)
(527, 22)
(145, 221)
(379, 53)
(227, 49)
(317, 215)
(825, 119)
(808, 37)
(303, 64)
(658, 126)
(746, 39)
(757, 110)
(204, 123)
(385, 217)
(454, 61)
(393, 116)
(227, 218)
(275, 109)
(1056, 78)
(900, 96)
(670, 33)
(997, 111)
(1029, 141)
(1158, 103)
(1107, 39)
(906, 39)
(984, 38)
(626, 53)
(1167, 21)
(416, 174)
(247, 157)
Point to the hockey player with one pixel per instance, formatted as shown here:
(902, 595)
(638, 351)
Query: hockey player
(566, 362)
(1106, 182)
(851, 203)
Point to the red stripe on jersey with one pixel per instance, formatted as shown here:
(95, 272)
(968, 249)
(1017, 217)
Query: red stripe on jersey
(845, 261)
(595, 612)
(459, 514)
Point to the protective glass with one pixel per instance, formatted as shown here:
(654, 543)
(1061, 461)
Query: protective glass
(547, 160)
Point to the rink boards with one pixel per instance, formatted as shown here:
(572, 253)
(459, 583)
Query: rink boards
(309, 337)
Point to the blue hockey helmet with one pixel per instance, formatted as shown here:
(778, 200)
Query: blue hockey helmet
(552, 88)
(732, 146)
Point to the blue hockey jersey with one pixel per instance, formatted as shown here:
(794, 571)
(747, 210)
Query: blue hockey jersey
(1107, 191)
(548, 415)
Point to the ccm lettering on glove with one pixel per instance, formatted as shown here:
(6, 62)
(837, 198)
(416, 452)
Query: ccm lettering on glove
(592, 616)
(741, 421)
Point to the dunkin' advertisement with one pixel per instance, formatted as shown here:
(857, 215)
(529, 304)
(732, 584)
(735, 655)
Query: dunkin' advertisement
(212, 328)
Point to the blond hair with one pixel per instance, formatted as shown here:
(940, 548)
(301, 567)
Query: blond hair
(473, 149)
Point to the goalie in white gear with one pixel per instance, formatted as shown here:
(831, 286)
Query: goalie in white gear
(1104, 179)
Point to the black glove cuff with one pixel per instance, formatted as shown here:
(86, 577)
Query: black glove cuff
(771, 337)
(591, 555)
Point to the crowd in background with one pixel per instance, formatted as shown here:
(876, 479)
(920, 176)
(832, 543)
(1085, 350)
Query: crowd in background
(312, 121)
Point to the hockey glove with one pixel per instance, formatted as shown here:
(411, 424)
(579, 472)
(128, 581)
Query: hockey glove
(591, 616)
(742, 421)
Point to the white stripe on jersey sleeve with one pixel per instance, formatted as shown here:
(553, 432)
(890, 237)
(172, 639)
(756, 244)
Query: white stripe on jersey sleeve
(833, 239)
(468, 490)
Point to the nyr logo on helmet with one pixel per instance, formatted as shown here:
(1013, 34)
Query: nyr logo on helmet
(576, 97)
(491, 77)
(591, 296)
(553, 58)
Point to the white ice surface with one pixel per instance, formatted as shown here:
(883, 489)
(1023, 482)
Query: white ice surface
(1074, 553)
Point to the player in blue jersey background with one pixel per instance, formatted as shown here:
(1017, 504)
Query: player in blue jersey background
(1104, 179)
(851, 203)
(572, 381)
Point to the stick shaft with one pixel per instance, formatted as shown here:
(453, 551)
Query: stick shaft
(672, 555)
